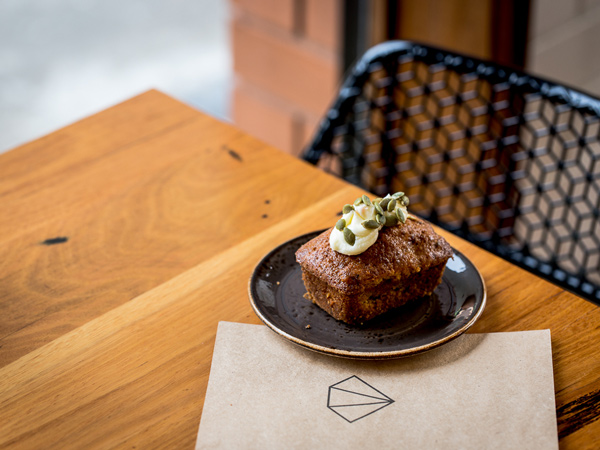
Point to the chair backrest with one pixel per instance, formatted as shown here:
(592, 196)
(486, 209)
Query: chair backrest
(509, 161)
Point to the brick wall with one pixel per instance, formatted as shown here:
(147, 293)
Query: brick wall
(287, 65)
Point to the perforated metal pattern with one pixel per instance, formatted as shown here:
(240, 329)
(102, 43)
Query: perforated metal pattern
(508, 161)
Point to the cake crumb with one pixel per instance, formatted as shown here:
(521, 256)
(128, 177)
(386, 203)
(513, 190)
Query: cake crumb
(307, 327)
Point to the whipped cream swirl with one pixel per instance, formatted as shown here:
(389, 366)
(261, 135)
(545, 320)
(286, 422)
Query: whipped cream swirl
(360, 224)
(364, 237)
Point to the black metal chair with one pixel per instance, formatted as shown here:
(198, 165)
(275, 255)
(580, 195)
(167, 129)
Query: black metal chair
(506, 160)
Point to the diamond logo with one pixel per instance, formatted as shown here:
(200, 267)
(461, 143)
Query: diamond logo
(352, 399)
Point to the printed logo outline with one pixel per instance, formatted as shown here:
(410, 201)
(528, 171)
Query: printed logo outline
(358, 392)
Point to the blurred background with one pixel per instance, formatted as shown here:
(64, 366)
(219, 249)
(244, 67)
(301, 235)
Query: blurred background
(272, 67)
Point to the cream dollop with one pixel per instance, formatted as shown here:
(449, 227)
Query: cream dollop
(388, 211)
(364, 237)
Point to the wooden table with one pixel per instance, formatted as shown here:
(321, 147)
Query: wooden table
(127, 236)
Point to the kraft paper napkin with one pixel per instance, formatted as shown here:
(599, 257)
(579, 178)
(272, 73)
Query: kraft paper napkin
(480, 391)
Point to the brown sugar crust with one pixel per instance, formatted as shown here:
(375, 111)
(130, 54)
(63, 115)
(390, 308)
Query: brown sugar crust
(406, 262)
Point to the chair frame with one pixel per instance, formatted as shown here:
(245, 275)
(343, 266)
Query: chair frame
(536, 171)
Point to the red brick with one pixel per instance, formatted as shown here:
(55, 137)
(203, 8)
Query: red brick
(264, 118)
(310, 124)
(324, 23)
(279, 12)
(285, 66)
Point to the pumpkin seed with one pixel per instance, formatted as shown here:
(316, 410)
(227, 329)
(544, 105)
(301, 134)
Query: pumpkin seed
(349, 236)
(391, 220)
(358, 201)
(341, 224)
(385, 202)
(401, 215)
(347, 209)
(405, 201)
(381, 219)
(378, 208)
(391, 205)
(370, 224)
(366, 200)
(397, 195)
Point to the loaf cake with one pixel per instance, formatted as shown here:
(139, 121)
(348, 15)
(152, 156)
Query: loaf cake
(355, 282)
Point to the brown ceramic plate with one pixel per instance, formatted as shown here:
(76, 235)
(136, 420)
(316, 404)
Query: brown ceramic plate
(276, 294)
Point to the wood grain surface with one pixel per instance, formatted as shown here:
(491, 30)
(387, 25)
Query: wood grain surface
(128, 236)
